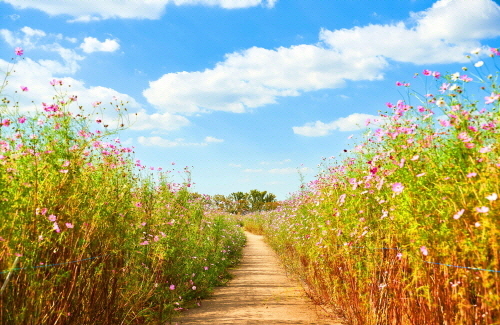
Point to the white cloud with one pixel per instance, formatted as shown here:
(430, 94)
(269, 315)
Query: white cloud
(441, 34)
(212, 139)
(142, 121)
(91, 10)
(31, 39)
(156, 141)
(256, 76)
(91, 44)
(352, 122)
(234, 165)
(27, 38)
(37, 76)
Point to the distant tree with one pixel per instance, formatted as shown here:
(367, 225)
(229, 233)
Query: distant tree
(240, 202)
(257, 199)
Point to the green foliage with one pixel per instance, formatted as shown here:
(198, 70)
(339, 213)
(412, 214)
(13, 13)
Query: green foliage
(242, 203)
(98, 239)
(367, 233)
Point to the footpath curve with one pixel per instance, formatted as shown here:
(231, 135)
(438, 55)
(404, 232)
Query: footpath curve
(259, 293)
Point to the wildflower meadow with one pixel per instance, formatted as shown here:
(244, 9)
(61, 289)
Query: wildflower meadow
(88, 234)
(405, 227)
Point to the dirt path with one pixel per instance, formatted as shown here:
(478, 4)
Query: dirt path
(259, 293)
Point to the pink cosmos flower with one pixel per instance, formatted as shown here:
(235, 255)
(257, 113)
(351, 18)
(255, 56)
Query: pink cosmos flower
(52, 217)
(144, 243)
(19, 51)
(56, 227)
(397, 188)
(492, 98)
(470, 145)
(193, 287)
(458, 214)
(424, 251)
(426, 72)
(69, 225)
(56, 82)
(469, 175)
(22, 119)
(482, 209)
(24, 88)
(495, 51)
(485, 149)
(436, 74)
(172, 287)
(465, 78)
(445, 123)
(444, 87)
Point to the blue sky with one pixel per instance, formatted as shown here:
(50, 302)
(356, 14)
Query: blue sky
(243, 92)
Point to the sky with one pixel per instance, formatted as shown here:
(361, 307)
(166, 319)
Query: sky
(248, 94)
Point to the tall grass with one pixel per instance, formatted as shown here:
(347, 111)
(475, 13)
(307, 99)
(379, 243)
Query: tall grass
(99, 238)
(406, 228)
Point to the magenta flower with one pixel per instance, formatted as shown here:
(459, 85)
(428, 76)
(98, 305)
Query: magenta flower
(397, 188)
(495, 51)
(424, 251)
(426, 72)
(24, 88)
(172, 287)
(21, 119)
(19, 51)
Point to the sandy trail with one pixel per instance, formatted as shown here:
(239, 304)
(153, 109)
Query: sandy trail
(259, 293)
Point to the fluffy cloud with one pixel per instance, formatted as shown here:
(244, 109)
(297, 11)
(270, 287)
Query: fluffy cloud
(91, 44)
(212, 139)
(142, 121)
(91, 10)
(436, 36)
(256, 76)
(37, 76)
(352, 122)
(162, 142)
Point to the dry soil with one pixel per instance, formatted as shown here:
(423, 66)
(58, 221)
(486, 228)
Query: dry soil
(259, 293)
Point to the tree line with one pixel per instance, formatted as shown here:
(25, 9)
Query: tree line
(241, 203)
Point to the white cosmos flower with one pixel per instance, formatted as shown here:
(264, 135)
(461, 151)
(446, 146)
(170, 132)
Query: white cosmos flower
(479, 64)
